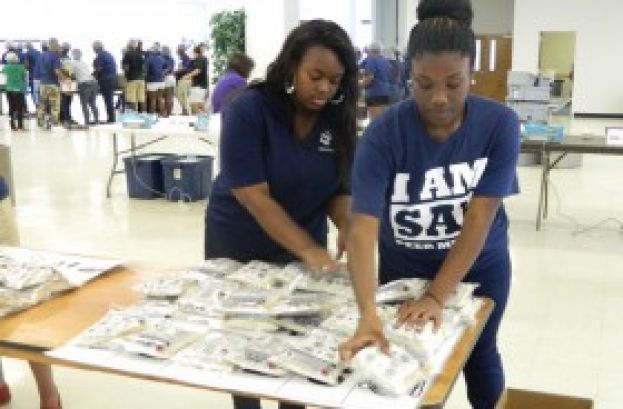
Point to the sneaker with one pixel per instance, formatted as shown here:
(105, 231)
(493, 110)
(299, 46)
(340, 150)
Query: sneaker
(5, 394)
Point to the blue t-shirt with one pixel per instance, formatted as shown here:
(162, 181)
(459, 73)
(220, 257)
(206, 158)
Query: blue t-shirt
(187, 62)
(381, 69)
(48, 63)
(105, 65)
(4, 189)
(169, 64)
(258, 145)
(32, 57)
(420, 189)
(154, 68)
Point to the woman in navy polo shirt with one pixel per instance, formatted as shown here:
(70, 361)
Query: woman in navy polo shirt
(286, 148)
(428, 180)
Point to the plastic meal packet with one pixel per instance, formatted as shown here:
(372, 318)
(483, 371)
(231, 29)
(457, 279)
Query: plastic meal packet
(257, 274)
(337, 283)
(15, 300)
(160, 340)
(300, 324)
(208, 352)
(113, 325)
(218, 267)
(463, 294)
(319, 343)
(25, 276)
(393, 375)
(300, 304)
(163, 287)
(344, 321)
(309, 366)
(244, 302)
(401, 290)
(258, 356)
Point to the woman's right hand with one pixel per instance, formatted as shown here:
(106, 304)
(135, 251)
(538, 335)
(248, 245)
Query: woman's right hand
(318, 259)
(369, 332)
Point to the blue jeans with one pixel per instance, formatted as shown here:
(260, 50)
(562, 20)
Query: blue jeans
(34, 92)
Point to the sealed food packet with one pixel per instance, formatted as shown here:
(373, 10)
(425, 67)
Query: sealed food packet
(394, 375)
(401, 290)
(115, 324)
(20, 277)
(209, 351)
(336, 283)
(258, 274)
(163, 287)
(160, 340)
(258, 355)
(218, 267)
(314, 356)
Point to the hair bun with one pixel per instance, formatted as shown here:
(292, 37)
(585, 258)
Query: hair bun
(459, 10)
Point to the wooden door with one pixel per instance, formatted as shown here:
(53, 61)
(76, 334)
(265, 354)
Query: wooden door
(494, 54)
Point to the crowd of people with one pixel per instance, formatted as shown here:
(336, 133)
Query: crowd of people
(146, 80)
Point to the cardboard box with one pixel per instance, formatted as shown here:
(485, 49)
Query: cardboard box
(523, 399)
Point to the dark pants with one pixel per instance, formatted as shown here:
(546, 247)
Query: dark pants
(107, 88)
(484, 373)
(65, 114)
(242, 402)
(88, 93)
(17, 106)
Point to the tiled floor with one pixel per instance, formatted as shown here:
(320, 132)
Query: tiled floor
(561, 333)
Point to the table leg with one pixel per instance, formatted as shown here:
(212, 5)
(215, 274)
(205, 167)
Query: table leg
(544, 167)
(546, 185)
(115, 161)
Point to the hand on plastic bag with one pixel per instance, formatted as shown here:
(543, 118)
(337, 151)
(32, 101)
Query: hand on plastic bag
(369, 332)
(414, 314)
(318, 259)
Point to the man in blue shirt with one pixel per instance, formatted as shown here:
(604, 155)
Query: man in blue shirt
(429, 179)
(49, 69)
(376, 81)
(32, 58)
(106, 73)
(154, 80)
(182, 90)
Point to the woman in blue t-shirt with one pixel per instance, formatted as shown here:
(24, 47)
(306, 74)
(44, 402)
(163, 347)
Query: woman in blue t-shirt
(428, 180)
(286, 148)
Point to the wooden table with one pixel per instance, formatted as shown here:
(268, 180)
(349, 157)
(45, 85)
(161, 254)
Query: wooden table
(27, 335)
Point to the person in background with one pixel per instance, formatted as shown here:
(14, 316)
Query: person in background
(376, 81)
(169, 80)
(32, 58)
(48, 393)
(87, 87)
(239, 66)
(428, 182)
(396, 77)
(15, 87)
(13, 47)
(198, 74)
(133, 64)
(106, 74)
(286, 147)
(67, 86)
(154, 80)
(182, 90)
(49, 91)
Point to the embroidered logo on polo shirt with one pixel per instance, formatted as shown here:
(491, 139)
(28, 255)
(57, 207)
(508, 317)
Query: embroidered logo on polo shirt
(326, 142)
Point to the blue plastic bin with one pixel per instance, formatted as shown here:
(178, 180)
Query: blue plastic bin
(144, 175)
(187, 178)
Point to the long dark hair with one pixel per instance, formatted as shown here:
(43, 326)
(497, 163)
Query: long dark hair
(444, 25)
(342, 116)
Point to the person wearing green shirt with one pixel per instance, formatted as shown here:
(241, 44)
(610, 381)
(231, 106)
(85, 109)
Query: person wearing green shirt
(16, 80)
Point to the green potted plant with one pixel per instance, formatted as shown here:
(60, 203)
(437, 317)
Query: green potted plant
(227, 33)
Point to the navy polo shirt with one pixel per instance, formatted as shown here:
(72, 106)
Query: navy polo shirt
(169, 63)
(420, 189)
(48, 63)
(105, 65)
(258, 145)
(32, 56)
(4, 189)
(154, 68)
(187, 62)
(381, 69)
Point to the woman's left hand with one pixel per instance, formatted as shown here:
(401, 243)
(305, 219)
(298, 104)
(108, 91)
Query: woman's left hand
(416, 313)
(341, 243)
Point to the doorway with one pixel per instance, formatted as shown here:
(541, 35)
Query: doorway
(494, 58)
(557, 60)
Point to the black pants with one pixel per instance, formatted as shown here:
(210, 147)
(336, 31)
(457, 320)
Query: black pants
(242, 402)
(17, 106)
(65, 115)
(107, 88)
